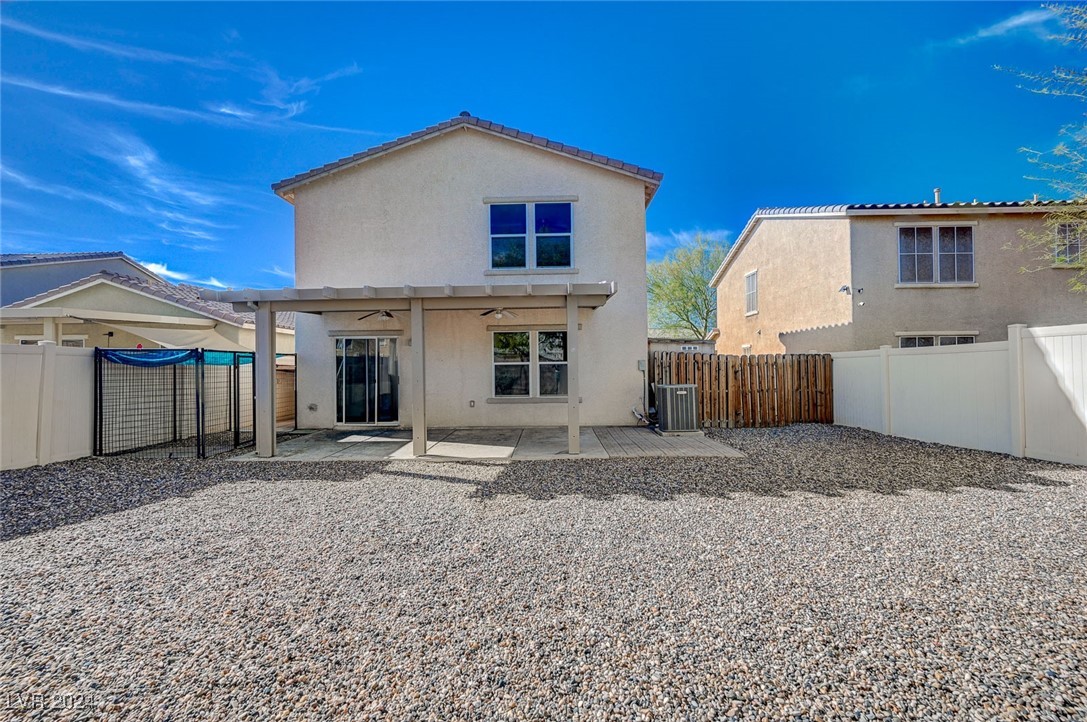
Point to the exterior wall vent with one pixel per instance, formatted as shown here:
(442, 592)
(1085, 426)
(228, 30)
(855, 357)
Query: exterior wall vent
(677, 408)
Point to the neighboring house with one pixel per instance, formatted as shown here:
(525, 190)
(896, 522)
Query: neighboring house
(851, 277)
(523, 259)
(677, 339)
(119, 310)
(23, 275)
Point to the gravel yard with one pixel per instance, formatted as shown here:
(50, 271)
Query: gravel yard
(833, 573)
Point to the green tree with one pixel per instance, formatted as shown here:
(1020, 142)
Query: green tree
(680, 296)
(1063, 238)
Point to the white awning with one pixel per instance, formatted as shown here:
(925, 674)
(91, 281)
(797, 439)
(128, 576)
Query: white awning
(207, 338)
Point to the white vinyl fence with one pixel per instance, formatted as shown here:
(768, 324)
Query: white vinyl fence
(1026, 396)
(46, 404)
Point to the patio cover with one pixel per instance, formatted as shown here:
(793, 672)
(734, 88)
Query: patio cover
(417, 299)
(207, 338)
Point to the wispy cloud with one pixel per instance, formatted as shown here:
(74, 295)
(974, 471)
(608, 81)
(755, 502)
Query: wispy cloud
(658, 244)
(161, 269)
(277, 271)
(1039, 23)
(117, 50)
(197, 247)
(284, 95)
(154, 110)
(61, 191)
(192, 220)
(188, 208)
(47, 240)
(219, 115)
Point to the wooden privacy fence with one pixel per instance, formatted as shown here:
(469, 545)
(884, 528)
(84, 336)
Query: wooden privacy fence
(744, 391)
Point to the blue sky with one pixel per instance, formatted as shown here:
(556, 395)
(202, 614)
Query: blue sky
(156, 129)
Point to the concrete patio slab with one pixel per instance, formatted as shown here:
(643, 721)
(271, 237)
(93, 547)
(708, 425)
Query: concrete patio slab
(533, 443)
(550, 443)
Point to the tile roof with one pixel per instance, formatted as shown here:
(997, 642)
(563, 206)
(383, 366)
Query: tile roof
(847, 207)
(27, 259)
(843, 210)
(180, 294)
(8, 260)
(651, 178)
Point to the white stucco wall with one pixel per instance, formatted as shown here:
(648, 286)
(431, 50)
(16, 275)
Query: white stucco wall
(417, 216)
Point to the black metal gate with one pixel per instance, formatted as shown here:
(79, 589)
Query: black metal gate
(172, 403)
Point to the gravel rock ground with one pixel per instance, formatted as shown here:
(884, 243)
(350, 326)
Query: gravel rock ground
(833, 574)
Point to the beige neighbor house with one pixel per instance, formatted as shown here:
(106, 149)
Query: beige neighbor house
(678, 340)
(109, 300)
(466, 275)
(853, 277)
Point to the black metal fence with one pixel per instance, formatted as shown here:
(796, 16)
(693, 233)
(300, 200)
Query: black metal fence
(172, 403)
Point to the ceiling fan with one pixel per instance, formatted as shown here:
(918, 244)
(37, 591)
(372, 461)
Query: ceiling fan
(381, 315)
(498, 312)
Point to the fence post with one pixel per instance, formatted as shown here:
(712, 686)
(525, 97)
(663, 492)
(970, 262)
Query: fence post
(1017, 398)
(199, 374)
(46, 394)
(885, 386)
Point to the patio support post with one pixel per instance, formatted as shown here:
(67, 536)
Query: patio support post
(265, 360)
(51, 330)
(418, 379)
(573, 373)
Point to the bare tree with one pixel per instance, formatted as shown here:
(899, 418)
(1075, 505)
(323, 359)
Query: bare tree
(1063, 238)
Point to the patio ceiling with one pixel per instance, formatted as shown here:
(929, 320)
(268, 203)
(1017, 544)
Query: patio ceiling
(446, 297)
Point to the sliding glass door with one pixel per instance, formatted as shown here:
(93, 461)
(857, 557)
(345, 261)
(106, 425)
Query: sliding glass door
(367, 388)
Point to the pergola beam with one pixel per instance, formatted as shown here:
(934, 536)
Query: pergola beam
(605, 289)
(442, 303)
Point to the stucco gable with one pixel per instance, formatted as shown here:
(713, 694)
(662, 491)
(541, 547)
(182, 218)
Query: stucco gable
(651, 179)
(105, 296)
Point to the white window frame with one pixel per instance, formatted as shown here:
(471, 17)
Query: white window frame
(66, 337)
(530, 236)
(1061, 259)
(751, 293)
(533, 362)
(936, 282)
(937, 338)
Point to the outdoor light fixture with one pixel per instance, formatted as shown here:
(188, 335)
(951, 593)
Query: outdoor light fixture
(845, 289)
(381, 316)
(498, 312)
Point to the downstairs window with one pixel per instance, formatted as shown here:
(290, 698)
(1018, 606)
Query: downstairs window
(529, 363)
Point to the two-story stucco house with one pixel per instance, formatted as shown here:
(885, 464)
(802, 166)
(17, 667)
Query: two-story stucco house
(468, 274)
(852, 277)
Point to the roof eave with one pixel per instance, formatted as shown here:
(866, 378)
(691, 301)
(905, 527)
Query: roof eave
(651, 179)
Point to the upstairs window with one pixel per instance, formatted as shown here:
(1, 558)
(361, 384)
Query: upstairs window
(751, 293)
(957, 255)
(943, 254)
(509, 235)
(1068, 248)
(531, 235)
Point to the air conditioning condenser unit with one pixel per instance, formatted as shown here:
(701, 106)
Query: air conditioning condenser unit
(677, 409)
